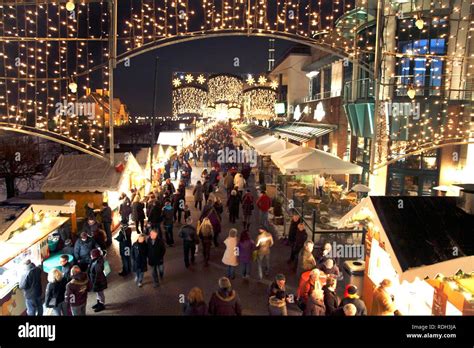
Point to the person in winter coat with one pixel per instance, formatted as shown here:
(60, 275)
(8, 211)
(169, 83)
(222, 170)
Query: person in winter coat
(350, 296)
(233, 204)
(225, 301)
(139, 258)
(295, 221)
(277, 304)
(55, 292)
(219, 207)
(382, 303)
(189, 236)
(125, 208)
(239, 181)
(330, 268)
(246, 247)
(91, 227)
(263, 244)
(206, 209)
(168, 216)
(306, 261)
(125, 245)
(206, 189)
(76, 291)
(216, 225)
(230, 258)
(65, 267)
(156, 254)
(247, 208)
(206, 234)
(301, 237)
(331, 300)
(213, 178)
(195, 304)
(138, 214)
(156, 218)
(178, 204)
(169, 186)
(279, 284)
(198, 195)
(176, 166)
(82, 250)
(98, 279)
(228, 183)
(89, 210)
(264, 203)
(306, 286)
(30, 283)
(315, 304)
(106, 215)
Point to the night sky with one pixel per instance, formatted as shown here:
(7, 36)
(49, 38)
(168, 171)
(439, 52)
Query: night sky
(134, 84)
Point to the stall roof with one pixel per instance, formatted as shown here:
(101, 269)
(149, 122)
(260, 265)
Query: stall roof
(303, 133)
(253, 130)
(427, 230)
(8, 214)
(173, 138)
(274, 146)
(308, 161)
(428, 235)
(84, 173)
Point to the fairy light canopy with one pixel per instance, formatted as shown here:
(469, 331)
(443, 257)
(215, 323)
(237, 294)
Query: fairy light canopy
(223, 96)
(48, 45)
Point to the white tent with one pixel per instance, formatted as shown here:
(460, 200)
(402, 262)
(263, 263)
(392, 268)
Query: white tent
(278, 157)
(267, 149)
(312, 161)
(264, 139)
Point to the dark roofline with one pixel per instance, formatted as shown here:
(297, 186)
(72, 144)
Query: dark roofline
(296, 49)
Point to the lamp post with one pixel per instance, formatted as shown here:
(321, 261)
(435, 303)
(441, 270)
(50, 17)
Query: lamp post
(153, 118)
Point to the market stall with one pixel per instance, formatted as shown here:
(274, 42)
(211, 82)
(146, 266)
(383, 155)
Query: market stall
(29, 236)
(421, 244)
(84, 179)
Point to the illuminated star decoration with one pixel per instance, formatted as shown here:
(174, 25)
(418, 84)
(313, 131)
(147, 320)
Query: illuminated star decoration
(274, 84)
(189, 78)
(262, 80)
(176, 82)
(250, 80)
(201, 79)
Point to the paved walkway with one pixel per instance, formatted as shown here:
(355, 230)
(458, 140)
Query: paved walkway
(123, 297)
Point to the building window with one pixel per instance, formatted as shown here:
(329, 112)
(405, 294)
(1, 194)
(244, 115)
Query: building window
(418, 70)
(327, 80)
(316, 87)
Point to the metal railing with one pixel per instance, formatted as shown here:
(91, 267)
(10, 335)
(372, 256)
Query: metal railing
(365, 89)
(319, 96)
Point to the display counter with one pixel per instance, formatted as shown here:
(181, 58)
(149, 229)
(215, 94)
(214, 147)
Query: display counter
(32, 244)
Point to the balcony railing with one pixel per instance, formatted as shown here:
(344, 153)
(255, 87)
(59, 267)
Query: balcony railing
(319, 96)
(364, 90)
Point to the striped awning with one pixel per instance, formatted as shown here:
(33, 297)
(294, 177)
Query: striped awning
(302, 133)
(254, 130)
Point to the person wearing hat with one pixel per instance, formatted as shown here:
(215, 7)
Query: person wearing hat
(76, 291)
(350, 296)
(98, 279)
(68, 248)
(225, 301)
(125, 245)
(315, 304)
(279, 284)
(233, 204)
(82, 250)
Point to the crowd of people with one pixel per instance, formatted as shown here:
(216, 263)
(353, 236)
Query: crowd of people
(164, 214)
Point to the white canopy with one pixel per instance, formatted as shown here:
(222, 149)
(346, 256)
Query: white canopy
(312, 161)
(170, 138)
(267, 149)
(264, 139)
